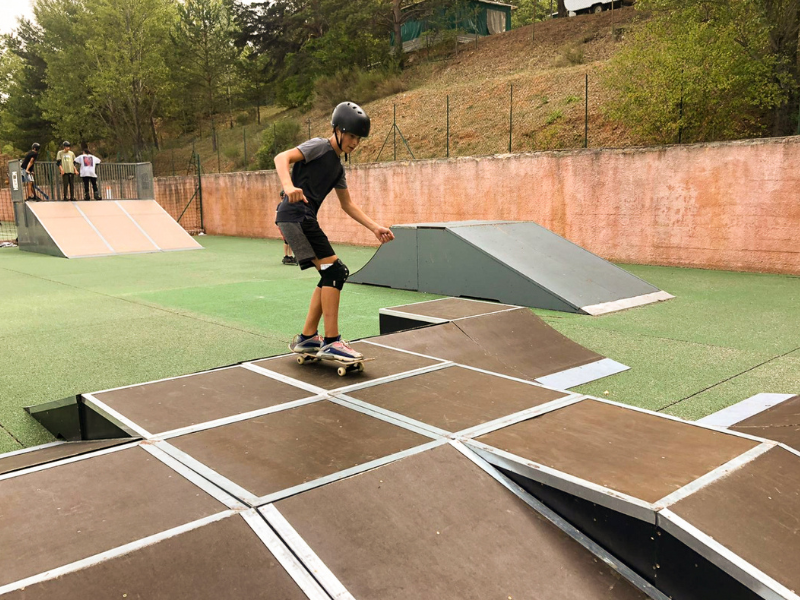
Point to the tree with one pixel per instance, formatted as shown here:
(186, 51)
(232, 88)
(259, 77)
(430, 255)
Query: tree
(700, 71)
(204, 38)
(22, 121)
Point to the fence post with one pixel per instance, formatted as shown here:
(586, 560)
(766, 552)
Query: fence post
(394, 130)
(510, 117)
(200, 190)
(586, 115)
(244, 139)
(448, 126)
(173, 162)
(219, 166)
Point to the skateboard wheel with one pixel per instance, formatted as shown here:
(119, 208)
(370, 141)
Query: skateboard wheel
(301, 360)
(360, 367)
(342, 371)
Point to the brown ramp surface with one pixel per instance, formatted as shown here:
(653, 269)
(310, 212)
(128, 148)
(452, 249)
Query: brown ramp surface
(116, 227)
(162, 406)
(642, 455)
(159, 225)
(780, 423)
(69, 229)
(15, 461)
(515, 343)
(435, 525)
(455, 398)
(68, 512)
(755, 512)
(224, 559)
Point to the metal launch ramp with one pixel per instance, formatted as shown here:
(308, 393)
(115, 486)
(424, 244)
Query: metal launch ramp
(514, 262)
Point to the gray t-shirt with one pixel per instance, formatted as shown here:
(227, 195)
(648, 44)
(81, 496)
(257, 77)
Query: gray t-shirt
(314, 148)
(320, 172)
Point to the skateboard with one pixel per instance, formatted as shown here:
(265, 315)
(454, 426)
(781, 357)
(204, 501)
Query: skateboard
(345, 365)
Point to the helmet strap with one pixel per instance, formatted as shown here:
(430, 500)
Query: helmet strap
(338, 142)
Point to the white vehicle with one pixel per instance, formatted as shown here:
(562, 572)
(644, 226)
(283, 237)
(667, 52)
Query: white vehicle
(577, 7)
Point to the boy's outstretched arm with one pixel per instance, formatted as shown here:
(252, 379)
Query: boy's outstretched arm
(384, 234)
(283, 161)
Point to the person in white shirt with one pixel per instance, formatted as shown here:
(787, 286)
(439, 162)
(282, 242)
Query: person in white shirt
(87, 163)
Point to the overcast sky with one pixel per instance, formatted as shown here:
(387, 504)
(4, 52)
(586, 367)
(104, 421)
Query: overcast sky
(10, 10)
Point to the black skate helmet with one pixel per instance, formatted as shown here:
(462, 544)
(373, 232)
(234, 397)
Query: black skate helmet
(350, 118)
(35, 146)
(66, 144)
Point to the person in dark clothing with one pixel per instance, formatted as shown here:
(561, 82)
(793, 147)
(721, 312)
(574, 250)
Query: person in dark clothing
(316, 169)
(65, 159)
(27, 171)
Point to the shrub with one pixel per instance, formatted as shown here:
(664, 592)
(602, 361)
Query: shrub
(281, 136)
(356, 85)
(553, 117)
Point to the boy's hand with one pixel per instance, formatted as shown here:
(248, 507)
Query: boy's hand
(295, 194)
(384, 234)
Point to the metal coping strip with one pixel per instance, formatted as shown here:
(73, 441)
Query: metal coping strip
(390, 378)
(653, 413)
(593, 371)
(632, 302)
(217, 493)
(749, 407)
(139, 227)
(412, 317)
(618, 501)
(114, 553)
(391, 416)
(369, 341)
(94, 227)
(207, 473)
(283, 378)
(730, 562)
(133, 385)
(712, 476)
(790, 449)
(66, 461)
(523, 415)
(597, 550)
(31, 449)
(288, 561)
(303, 551)
(116, 417)
(237, 418)
(362, 468)
(512, 378)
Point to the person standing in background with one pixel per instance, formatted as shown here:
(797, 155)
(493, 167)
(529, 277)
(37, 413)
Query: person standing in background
(65, 159)
(27, 171)
(87, 163)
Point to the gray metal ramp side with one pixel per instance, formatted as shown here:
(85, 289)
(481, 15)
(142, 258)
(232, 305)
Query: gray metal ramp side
(448, 265)
(33, 235)
(555, 263)
(394, 264)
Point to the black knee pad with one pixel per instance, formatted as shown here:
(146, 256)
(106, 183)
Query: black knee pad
(334, 276)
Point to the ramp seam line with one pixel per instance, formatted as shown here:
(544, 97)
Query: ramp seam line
(728, 379)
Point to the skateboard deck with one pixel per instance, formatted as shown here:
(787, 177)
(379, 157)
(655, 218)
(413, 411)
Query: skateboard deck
(345, 366)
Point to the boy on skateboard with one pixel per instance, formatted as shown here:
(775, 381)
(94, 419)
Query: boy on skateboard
(316, 170)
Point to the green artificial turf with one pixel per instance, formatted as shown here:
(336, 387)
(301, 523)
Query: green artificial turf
(72, 326)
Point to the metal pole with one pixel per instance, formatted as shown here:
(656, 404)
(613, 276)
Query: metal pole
(244, 138)
(173, 163)
(309, 127)
(510, 117)
(200, 191)
(586, 115)
(448, 126)
(798, 120)
(219, 167)
(394, 131)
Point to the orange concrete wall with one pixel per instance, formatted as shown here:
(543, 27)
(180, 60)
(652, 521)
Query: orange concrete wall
(733, 206)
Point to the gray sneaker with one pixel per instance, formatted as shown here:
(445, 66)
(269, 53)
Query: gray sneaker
(308, 346)
(339, 350)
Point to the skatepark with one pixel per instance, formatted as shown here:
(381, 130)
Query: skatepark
(595, 430)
